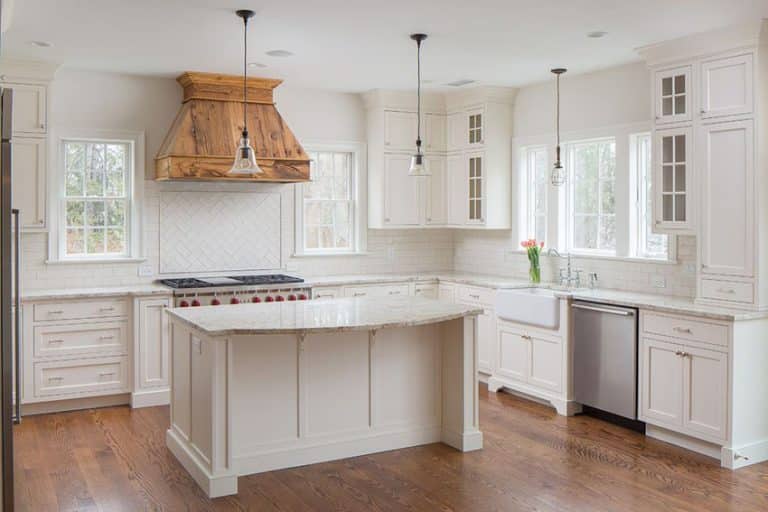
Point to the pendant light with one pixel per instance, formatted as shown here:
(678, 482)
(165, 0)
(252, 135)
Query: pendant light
(417, 160)
(245, 158)
(558, 173)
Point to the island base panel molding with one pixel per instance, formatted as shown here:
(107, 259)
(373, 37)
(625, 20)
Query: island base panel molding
(250, 403)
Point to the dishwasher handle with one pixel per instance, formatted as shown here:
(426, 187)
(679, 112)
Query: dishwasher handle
(620, 312)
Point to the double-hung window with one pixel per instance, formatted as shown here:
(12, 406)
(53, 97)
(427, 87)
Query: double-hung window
(328, 208)
(536, 183)
(592, 196)
(96, 199)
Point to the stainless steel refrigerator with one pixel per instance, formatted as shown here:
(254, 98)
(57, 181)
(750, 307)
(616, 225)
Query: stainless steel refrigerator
(9, 303)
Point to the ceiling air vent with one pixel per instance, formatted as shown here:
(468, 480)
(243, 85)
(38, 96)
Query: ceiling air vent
(460, 83)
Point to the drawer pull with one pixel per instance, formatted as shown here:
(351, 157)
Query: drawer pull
(684, 330)
(55, 379)
(107, 308)
(56, 312)
(104, 338)
(55, 341)
(106, 374)
(726, 290)
(477, 297)
(359, 294)
(682, 354)
(394, 292)
(324, 296)
(525, 337)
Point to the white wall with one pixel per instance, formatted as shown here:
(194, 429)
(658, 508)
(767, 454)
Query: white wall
(107, 101)
(610, 101)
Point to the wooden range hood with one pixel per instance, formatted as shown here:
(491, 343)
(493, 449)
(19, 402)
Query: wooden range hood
(201, 143)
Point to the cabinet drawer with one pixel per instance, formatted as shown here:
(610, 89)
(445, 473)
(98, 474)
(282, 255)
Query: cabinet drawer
(686, 329)
(377, 290)
(325, 293)
(88, 377)
(425, 290)
(477, 295)
(69, 340)
(731, 291)
(76, 310)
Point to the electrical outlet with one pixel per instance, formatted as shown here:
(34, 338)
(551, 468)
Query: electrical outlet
(146, 270)
(658, 281)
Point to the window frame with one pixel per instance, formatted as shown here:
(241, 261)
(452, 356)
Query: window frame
(570, 214)
(529, 187)
(358, 188)
(134, 196)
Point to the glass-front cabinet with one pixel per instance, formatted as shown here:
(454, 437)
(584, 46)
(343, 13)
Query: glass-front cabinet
(673, 171)
(475, 126)
(673, 95)
(476, 188)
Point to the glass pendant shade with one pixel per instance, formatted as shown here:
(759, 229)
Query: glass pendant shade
(558, 174)
(245, 159)
(417, 167)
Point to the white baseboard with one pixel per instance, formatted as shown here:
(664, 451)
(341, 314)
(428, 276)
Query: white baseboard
(744, 455)
(214, 486)
(301, 455)
(464, 442)
(74, 404)
(150, 398)
(683, 441)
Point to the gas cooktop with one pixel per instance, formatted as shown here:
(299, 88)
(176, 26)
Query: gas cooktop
(210, 282)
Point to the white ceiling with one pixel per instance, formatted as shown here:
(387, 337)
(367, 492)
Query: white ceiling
(356, 45)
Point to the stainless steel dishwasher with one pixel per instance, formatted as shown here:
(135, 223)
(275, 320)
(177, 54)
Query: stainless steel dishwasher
(605, 357)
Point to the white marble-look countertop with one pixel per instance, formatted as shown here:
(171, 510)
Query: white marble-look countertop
(140, 290)
(349, 314)
(484, 280)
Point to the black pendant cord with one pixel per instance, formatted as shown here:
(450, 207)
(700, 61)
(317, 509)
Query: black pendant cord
(557, 119)
(245, 70)
(418, 96)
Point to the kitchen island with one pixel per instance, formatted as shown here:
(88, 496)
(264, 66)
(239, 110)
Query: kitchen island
(259, 387)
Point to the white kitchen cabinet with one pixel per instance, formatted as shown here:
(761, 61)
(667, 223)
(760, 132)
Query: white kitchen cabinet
(446, 292)
(475, 132)
(727, 86)
(456, 189)
(674, 181)
(486, 337)
(513, 355)
(661, 383)
(705, 392)
(325, 292)
(426, 290)
(672, 95)
(29, 175)
(546, 362)
(29, 108)
(475, 206)
(727, 168)
(456, 131)
(151, 352)
(377, 290)
(402, 193)
(399, 131)
(436, 186)
(434, 133)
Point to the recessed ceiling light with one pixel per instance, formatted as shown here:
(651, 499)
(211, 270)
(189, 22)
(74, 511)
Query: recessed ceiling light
(256, 65)
(279, 53)
(597, 34)
(41, 44)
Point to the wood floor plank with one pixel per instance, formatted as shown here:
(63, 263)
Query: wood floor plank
(115, 459)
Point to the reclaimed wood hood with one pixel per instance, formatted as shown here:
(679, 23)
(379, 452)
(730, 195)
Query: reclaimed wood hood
(201, 143)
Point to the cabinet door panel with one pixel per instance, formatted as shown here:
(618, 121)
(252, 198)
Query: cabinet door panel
(546, 363)
(401, 192)
(456, 131)
(457, 190)
(434, 132)
(436, 191)
(513, 356)
(28, 169)
(705, 392)
(153, 343)
(727, 168)
(673, 179)
(661, 383)
(672, 95)
(399, 130)
(727, 86)
(29, 109)
(486, 338)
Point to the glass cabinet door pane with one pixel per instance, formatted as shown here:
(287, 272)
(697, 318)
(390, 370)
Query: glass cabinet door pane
(666, 106)
(680, 84)
(666, 178)
(667, 155)
(679, 104)
(666, 86)
(680, 208)
(680, 178)
(667, 203)
(680, 148)
(478, 188)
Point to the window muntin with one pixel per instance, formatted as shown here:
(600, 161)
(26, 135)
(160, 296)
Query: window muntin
(537, 183)
(329, 203)
(592, 196)
(96, 198)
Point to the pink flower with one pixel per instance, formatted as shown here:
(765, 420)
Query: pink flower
(541, 245)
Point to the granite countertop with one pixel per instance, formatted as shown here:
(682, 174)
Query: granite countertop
(485, 280)
(350, 314)
(139, 290)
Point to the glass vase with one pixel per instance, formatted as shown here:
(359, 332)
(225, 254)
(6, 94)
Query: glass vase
(535, 274)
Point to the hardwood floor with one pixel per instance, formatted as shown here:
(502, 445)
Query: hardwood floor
(115, 459)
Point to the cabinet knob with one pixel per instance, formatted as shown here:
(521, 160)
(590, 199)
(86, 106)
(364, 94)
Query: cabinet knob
(386, 219)
(703, 111)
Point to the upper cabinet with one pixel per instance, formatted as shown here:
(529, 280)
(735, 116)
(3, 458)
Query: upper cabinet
(466, 139)
(28, 179)
(727, 86)
(673, 180)
(672, 95)
(29, 108)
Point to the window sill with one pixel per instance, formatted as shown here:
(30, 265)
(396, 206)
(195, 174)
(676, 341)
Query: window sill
(626, 259)
(329, 254)
(100, 261)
